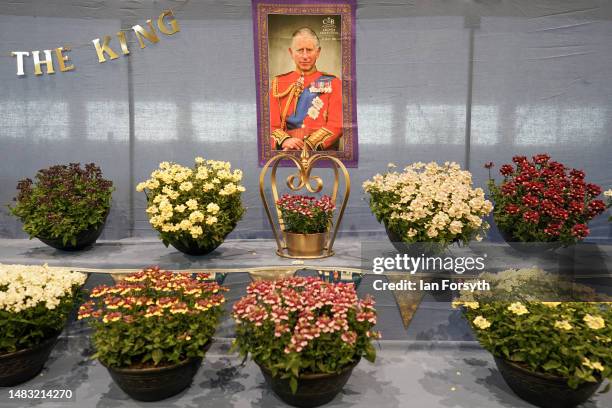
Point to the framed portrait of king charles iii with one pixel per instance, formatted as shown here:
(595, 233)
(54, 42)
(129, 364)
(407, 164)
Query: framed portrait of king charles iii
(305, 70)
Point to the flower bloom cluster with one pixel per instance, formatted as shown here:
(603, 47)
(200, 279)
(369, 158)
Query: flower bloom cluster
(305, 313)
(191, 202)
(543, 200)
(481, 322)
(306, 214)
(507, 319)
(63, 201)
(153, 293)
(24, 287)
(429, 202)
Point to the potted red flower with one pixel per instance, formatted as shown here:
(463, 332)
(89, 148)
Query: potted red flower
(152, 329)
(307, 221)
(306, 335)
(541, 200)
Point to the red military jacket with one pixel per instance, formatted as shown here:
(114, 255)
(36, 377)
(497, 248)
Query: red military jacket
(308, 107)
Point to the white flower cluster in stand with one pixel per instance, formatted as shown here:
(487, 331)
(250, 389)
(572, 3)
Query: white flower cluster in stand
(432, 198)
(25, 286)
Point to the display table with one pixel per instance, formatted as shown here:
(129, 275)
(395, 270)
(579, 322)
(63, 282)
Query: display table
(434, 362)
(406, 374)
(247, 259)
(137, 252)
(253, 253)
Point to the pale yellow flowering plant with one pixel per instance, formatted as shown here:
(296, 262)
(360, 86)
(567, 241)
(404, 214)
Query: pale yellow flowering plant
(608, 195)
(200, 204)
(429, 203)
(35, 302)
(517, 321)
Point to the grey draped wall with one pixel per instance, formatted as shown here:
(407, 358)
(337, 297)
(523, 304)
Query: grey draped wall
(463, 80)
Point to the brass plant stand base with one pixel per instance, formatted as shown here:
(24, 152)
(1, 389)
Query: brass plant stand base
(283, 253)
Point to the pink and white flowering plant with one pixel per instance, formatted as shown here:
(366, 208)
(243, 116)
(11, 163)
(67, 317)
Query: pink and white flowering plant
(306, 214)
(300, 325)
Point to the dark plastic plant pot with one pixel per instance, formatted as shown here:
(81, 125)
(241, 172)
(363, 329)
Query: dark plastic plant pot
(84, 239)
(415, 249)
(23, 365)
(528, 247)
(192, 247)
(156, 383)
(544, 390)
(313, 389)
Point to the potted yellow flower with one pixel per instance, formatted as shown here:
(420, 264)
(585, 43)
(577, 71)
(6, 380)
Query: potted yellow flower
(608, 195)
(194, 209)
(552, 354)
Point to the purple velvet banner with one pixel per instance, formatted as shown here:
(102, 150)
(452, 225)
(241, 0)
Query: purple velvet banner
(317, 104)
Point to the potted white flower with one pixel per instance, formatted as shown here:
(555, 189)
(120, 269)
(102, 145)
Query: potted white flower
(428, 203)
(35, 302)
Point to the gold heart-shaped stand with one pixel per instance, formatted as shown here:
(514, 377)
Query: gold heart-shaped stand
(296, 182)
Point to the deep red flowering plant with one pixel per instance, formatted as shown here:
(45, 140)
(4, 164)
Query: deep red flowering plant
(153, 317)
(541, 200)
(306, 214)
(299, 326)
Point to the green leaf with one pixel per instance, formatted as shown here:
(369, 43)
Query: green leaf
(157, 355)
(293, 383)
(370, 353)
(551, 364)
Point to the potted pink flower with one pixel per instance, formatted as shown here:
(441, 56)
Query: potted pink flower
(306, 335)
(307, 221)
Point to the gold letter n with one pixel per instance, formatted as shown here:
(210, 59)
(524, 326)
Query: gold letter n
(149, 35)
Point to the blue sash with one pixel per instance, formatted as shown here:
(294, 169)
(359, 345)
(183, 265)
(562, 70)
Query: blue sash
(304, 103)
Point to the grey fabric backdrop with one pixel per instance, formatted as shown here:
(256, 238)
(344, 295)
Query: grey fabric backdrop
(464, 80)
